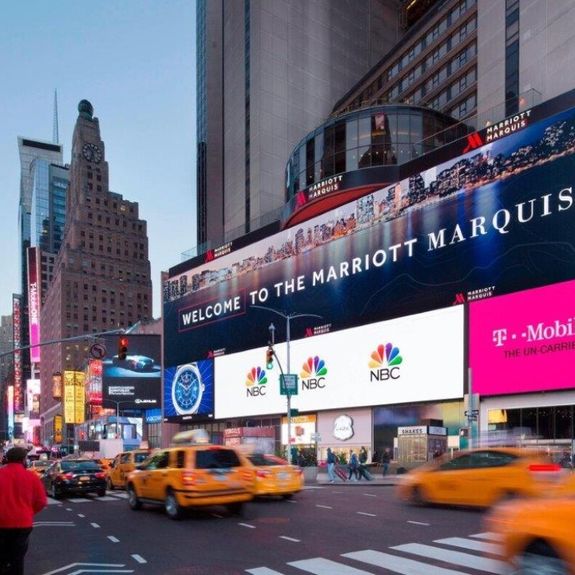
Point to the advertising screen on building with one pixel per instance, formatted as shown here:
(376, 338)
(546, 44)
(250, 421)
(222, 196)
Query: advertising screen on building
(34, 299)
(18, 377)
(74, 397)
(415, 358)
(189, 391)
(133, 381)
(496, 220)
(523, 342)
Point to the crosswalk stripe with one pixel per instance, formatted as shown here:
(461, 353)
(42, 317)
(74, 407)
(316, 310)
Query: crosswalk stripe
(78, 500)
(321, 566)
(53, 501)
(471, 545)
(399, 564)
(486, 535)
(106, 498)
(262, 571)
(455, 557)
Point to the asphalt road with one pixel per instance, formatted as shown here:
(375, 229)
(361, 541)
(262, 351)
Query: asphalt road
(312, 533)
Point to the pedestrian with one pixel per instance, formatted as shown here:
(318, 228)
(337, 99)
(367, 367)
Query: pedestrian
(21, 497)
(361, 468)
(385, 459)
(352, 465)
(331, 465)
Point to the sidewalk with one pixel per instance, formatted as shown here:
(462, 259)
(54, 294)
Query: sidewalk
(379, 479)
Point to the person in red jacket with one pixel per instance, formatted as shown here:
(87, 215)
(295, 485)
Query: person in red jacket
(22, 495)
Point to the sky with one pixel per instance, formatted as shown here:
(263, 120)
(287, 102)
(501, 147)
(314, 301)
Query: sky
(134, 60)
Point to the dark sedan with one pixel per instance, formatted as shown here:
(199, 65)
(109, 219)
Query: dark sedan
(73, 476)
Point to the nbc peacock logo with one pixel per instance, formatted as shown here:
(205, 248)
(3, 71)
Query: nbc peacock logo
(384, 363)
(313, 372)
(256, 382)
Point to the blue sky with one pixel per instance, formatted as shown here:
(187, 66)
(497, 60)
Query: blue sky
(135, 61)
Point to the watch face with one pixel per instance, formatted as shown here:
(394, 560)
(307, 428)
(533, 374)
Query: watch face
(92, 153)
(187, 389)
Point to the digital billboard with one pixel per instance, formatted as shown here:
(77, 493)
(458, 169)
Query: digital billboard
(496, 220)
(74, 396)
(189, 391)
(523, 342)
(133, 382)
(18, 359)
(414, 358)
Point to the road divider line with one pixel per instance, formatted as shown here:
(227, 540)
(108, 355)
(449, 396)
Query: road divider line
(487, 535)
(95, 525)
(364, 513)
(419, 523)
(81, 515)
(369, 494)
(138, 558)
(324, 506)
(247, 525)
(113, 539)
(290, 538)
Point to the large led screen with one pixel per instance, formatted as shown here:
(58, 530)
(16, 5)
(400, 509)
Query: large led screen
(189, 391)
(415, 358)
(524, 342)
(134, 382)
(496, 220)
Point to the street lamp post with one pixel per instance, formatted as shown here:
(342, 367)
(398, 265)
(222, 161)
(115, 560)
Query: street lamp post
(118, 403)
(288, 317)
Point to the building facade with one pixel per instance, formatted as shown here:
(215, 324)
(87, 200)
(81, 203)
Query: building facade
(267, 74)
(102, 272)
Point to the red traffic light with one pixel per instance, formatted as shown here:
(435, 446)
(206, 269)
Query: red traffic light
(269, 358)
(122, 348)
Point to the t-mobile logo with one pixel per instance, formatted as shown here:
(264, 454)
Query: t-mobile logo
(499, 337)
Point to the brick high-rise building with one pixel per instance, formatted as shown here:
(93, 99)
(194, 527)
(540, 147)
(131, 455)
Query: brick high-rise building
(102, 272)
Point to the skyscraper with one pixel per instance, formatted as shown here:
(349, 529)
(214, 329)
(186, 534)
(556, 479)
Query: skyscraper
(102, 271)
(268, 73)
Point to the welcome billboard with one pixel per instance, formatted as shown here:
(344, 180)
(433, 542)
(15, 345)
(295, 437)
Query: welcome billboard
(523, 342)
(496, 220)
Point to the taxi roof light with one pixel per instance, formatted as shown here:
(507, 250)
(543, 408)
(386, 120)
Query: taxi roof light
(191, 437)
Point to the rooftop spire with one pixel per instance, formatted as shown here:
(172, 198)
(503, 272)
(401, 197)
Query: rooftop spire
(55, 135)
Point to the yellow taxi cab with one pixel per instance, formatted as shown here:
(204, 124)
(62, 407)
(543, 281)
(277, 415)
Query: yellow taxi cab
(536, 536)
(480, 478)
(39, 466)
(275, 476)
(122, 465)
(192, 473)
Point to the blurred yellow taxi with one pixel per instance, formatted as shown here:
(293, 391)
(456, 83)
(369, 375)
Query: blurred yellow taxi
(536, 536)
(193, 473)
(39, 466)
(275, 476)
(122, 465)
(480, 478)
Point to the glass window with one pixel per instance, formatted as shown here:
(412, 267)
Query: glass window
(364, 125)
(217, 459)
(351, 134)
(529, 421)
(302, 156)
(310, 161)
(318, 155)
(364, 153)
(545, 423)
(351, 159)
(329, 151)
(402, 128)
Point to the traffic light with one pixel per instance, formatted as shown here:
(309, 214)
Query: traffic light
(270, 357)
(122, 348)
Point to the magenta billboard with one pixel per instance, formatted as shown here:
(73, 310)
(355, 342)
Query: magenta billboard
(524, 342)
(34, 304)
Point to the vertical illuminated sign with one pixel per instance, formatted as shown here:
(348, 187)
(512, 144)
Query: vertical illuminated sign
(10, 402)
(33, 398)
(94, 383)
(58, 426)
(16, 327)
(74, 396)
(34, 304)
(57, 385)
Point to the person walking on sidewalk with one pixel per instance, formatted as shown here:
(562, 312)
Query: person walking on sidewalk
(385, 459)
(352, 465)
(22, 495)
(361, 468)
(331, 465)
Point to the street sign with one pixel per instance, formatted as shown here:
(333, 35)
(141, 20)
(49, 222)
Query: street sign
(288, 384)
(98, 351)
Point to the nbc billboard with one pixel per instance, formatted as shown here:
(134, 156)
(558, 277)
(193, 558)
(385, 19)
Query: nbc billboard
(495, 220)
(524, 342)
(415, 358)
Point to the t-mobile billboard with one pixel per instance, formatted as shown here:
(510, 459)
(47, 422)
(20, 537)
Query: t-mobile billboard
(496, 220)
(415, 358)
(523, 342)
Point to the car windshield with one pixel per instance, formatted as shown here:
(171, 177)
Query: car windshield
(217, 459)
(139, 457)
(80, 466)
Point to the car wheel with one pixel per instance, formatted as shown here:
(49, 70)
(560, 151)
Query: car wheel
(541, 559)
(54, 493)
(235, 508)
(173, 508)
(287, 495)
(133, 500)
(101, 492)
(417, 497)
(109, 484)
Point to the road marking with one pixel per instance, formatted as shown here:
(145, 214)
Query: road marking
(289, 538)
(321, 566)
(53, 501)
(247, 525)
(324, 506)
(369, 495)
(419, 523)
(364, 513)
(54, 524)
(113, 539)
(262, 571)
(121, 495)
(291, 501)
(88, 565)
(487, 535)
(79, 500)
(106, 498)
(81, 515)
(397, 564)
(95, 525)
(68, 509)
(217, 515)
(139, 558)
(471, 545)
(455, 557)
